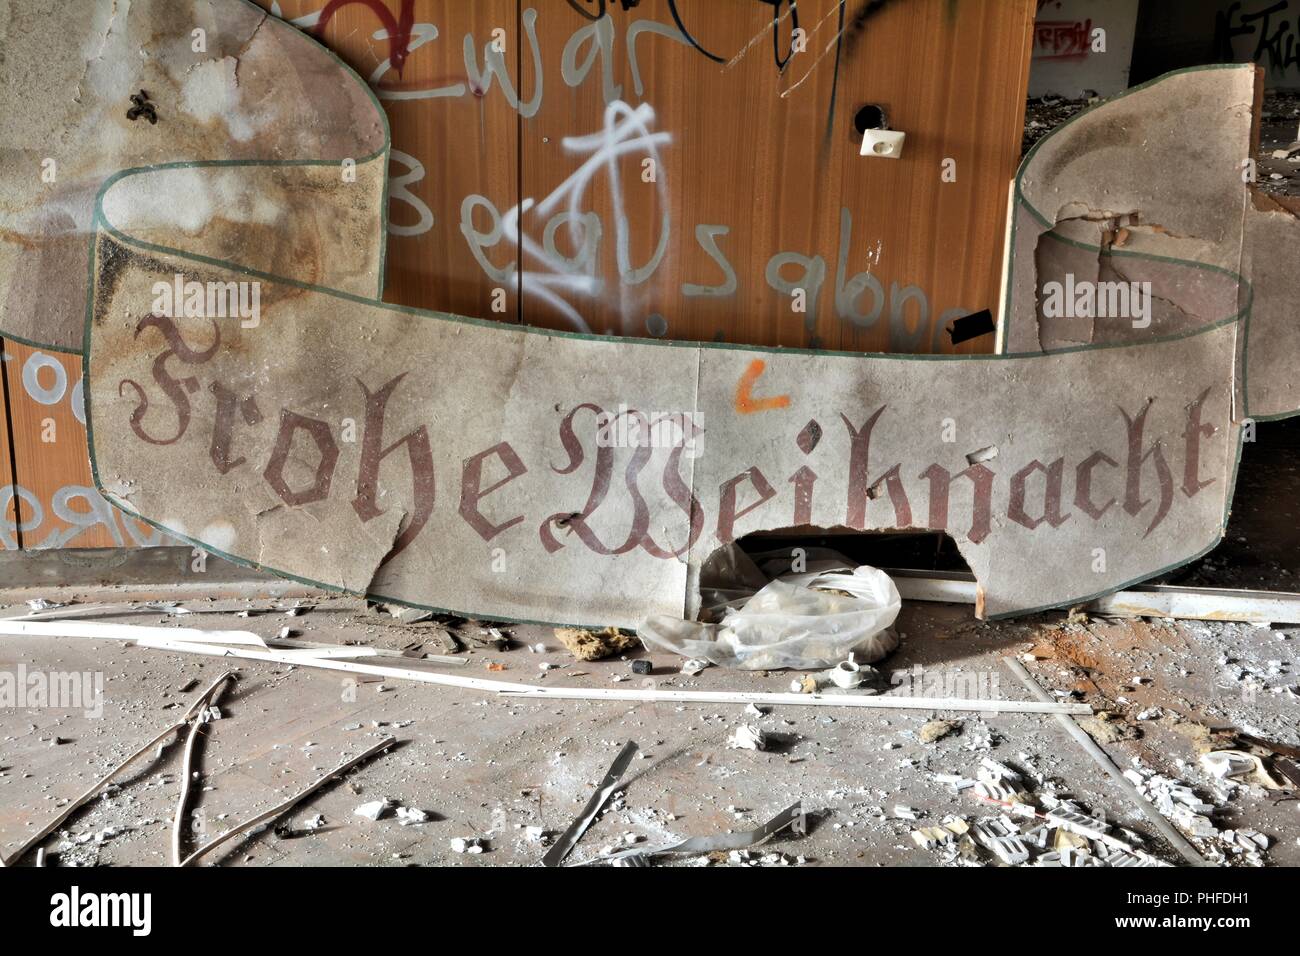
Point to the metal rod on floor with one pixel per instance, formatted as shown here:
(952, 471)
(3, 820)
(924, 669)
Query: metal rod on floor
(1152, 600)
(1167, 829)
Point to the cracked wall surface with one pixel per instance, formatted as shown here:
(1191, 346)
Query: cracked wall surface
(258, 90)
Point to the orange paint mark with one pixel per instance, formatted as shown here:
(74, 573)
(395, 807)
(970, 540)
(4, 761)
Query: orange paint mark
(746, 403)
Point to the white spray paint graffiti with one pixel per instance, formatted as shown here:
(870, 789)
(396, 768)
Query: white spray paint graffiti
(626, 131)
(600, 34)
(55, 392)
(96, 513)
(860, 300)
(81, 508)
(399, 190)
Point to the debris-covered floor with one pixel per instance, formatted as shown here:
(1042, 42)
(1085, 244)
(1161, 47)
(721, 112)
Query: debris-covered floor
(500, 778)
(494, 770)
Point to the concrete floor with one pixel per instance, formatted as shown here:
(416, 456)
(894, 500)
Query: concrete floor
(487, 767)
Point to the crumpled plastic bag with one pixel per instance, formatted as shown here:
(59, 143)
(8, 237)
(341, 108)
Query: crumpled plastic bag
(798, 621)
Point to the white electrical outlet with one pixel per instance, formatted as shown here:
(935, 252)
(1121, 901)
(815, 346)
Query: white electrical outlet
(883, 143)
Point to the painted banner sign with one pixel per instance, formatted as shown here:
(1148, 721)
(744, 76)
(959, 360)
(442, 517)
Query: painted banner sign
(264, 405)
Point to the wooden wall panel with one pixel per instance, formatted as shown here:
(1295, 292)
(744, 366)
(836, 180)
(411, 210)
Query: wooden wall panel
(58, 504)
(771, 156)
(757, 165)
(956, 72)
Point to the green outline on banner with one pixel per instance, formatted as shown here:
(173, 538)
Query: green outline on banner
(1019, 200)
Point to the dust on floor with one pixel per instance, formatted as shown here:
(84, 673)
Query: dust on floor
(514, 773)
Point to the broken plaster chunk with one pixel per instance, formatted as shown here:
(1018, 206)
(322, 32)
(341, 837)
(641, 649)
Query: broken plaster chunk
(1195, 823)
(409, 816)
(1080, 824)
(375, 809)
(1252, 839)
(1225, 765)
(1067, 840)
(929, 837)
(1010, 849)
(588, 645)
(470, 845)
(805, 684)
(906, 813)
(996, 791)
(935, 730)
(746, 737)
(954, 780)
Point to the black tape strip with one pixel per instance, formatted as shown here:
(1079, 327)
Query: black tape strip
(972, 327)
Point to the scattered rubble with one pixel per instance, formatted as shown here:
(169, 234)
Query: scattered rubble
(933, 731)
(747, 737)
(588, 645)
